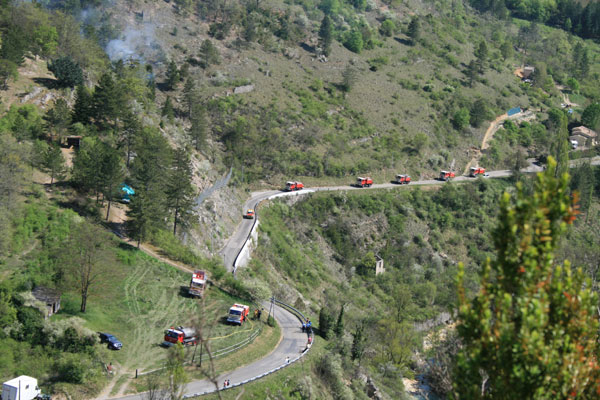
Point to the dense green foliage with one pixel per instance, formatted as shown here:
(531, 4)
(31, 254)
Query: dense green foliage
(532, 330)
(61, 350)
(570, 15)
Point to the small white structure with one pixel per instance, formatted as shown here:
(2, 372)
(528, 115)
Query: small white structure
(21, 388)
(379, 269)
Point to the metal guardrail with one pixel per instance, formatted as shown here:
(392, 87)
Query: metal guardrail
(302, 318)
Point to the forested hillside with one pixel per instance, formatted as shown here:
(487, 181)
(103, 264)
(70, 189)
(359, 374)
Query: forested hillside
(381, 325)
(194, 104)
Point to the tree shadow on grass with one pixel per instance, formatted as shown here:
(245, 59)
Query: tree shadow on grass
(48, 83)
(403, 41)
(307, 47)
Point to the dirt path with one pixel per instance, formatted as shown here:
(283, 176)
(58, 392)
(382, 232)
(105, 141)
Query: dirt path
(567, 101)
(492, 129)
(105, 393)
(117, 219)
(489, 133)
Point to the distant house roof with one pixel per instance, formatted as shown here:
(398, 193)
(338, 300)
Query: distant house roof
(527, 71)
(46, 295)
(584, 131)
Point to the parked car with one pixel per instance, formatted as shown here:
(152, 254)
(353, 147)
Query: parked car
(113, 342)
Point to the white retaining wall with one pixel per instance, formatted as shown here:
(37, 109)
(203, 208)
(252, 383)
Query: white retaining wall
(243, 256)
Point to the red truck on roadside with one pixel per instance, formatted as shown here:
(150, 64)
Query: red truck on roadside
(197, 283)
(185, 336)
(238, 313)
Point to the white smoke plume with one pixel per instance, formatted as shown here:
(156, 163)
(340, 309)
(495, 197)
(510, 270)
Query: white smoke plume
(133, 43)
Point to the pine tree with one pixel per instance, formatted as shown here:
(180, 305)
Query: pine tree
(168, 110)
(58, 118)
(591, 116)
(506, 49)
(209, 53)
(67, 71)
(87, 165)
(584, 65)
(358, 343)
(83, 110)
(173, 76)
(8, 71)
(53, 163)
(180, 192)
(471, 72)
(531, 332)
(149, 174)
(112, 173)
(199, 126)
(130, 131)
(584, 183)
(560, 144)
(109, 100)
(14, 44)
(326, 35)
(349, 77)
(325, 323)
(190, 95)
(577, 53)
(481, 53)
(414, 30)
(339, 325)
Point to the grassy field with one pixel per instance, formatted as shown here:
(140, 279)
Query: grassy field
(145, 298)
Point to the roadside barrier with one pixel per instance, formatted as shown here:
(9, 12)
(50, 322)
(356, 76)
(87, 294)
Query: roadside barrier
(243, 255)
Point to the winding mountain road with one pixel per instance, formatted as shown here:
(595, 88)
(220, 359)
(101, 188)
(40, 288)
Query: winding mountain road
(293, 340)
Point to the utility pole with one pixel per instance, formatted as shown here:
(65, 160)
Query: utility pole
(271, 309)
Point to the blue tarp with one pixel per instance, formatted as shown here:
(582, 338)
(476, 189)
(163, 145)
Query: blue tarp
(127, 193)
(513, 111)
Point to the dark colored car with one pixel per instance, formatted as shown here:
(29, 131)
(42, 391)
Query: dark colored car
(113, 342)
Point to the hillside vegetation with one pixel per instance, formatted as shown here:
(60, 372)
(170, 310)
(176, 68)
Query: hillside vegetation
(325, 247)
(168, 97)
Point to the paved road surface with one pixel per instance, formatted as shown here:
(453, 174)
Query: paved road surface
(293, 343)
(237, 240)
